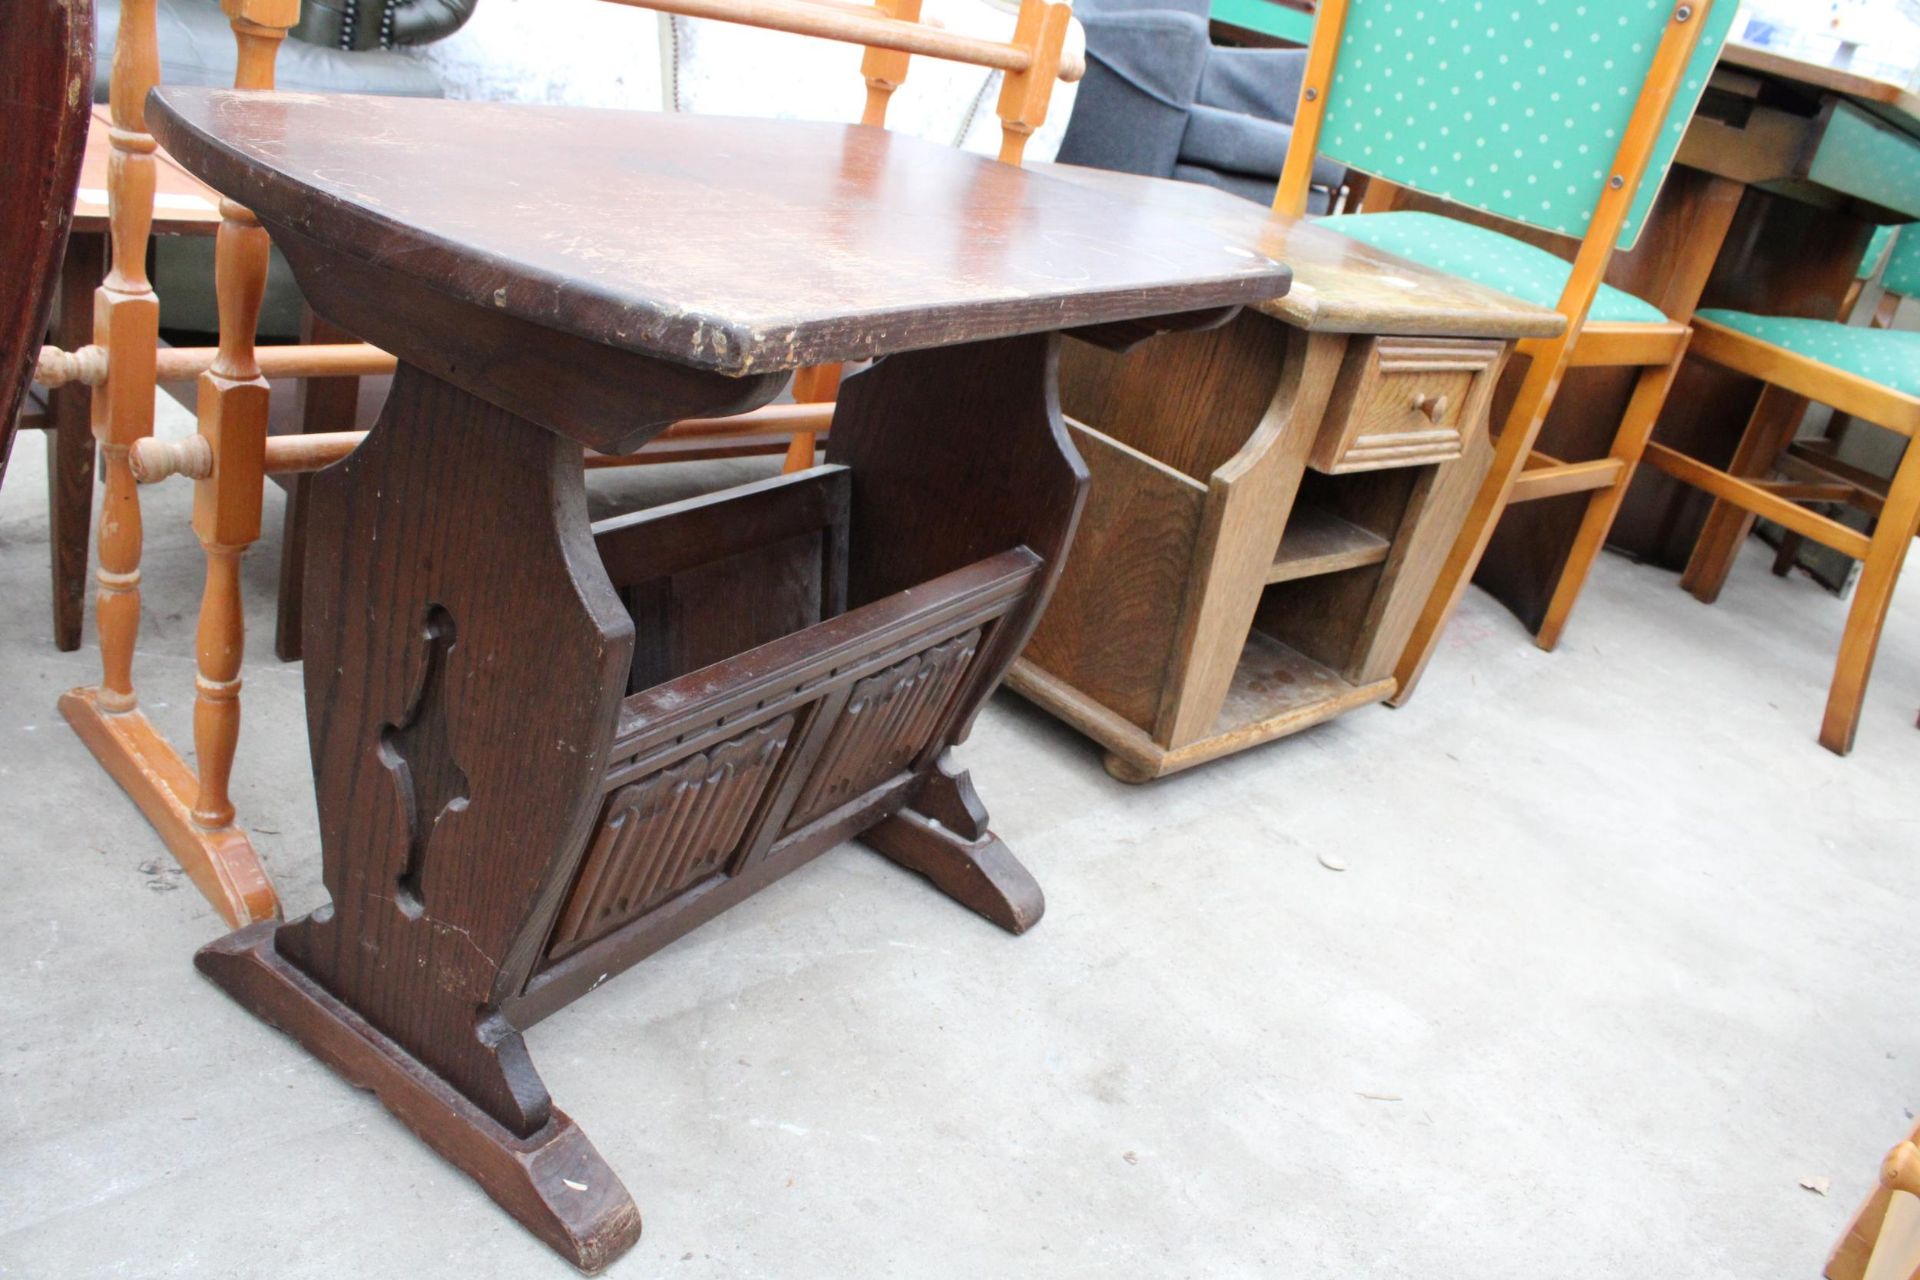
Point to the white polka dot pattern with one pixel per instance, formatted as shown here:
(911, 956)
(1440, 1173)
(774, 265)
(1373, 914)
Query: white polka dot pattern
(1515, 107)
(1890, 357)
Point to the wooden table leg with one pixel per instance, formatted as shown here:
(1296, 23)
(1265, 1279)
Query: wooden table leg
(70, 440)
(958, 453)
(325, 404)
(466, 657)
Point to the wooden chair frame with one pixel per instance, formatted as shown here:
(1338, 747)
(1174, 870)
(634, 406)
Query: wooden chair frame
(1518, 472)
(231, 455)
(1743, 491)
(1883, 1240)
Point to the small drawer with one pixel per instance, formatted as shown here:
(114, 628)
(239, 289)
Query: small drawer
(1405, 402)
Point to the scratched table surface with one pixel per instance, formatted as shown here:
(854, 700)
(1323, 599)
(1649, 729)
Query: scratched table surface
(740, 246)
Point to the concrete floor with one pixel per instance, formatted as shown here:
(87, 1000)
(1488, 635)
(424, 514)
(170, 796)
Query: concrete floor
(1620, 957)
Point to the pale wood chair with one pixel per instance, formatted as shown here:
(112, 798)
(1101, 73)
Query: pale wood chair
(1872, 375)
(1832, 438)
(43, 132)
(190, 808)
(1883, 1240)
(1564, 120)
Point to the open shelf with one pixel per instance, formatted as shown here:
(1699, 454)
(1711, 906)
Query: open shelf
(1317, 541)
(1278, 690)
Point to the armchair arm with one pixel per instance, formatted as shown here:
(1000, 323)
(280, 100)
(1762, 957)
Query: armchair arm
(1143, 69)
(424, 21)
(1256, 82)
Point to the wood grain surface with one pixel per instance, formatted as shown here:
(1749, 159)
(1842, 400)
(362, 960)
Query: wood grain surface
(1339, 284)
(676, 235)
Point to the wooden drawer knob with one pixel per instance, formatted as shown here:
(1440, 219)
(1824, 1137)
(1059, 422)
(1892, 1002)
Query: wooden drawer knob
(1435, 407)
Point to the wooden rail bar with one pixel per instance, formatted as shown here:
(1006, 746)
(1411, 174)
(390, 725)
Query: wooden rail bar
(154, 460)
(1757, 500)
(321, 360)
(88, 364)
(843, 22)
(1565, 477)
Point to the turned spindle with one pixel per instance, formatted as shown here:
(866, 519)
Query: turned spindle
(56, 368)
(126, 323)
(233, 423)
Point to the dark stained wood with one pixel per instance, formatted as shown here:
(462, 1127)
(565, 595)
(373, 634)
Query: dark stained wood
(552, 1179)
(320, 404)
(543, 748)
(484, 607)
(716, 575)
(533, 211)
(994, 468)
(70, 452)
(46, 91)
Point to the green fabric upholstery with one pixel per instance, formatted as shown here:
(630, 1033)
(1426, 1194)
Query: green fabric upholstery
(1890, 357)
(1515, 107)
(1902, 275)
(1876, 250)
(1486, 257)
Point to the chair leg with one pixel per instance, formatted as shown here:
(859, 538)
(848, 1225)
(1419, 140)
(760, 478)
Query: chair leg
(1769, 431)
(70, 441)
(1888, 551)
(1636, 426)
(1510, 453)
(813, 385)
(1790, 544)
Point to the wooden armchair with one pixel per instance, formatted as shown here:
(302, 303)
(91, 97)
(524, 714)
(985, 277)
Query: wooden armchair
(1870, 374)
(1562, 120)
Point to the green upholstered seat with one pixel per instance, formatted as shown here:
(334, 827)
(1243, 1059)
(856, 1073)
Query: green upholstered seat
(1890, 357)
(1488, 258)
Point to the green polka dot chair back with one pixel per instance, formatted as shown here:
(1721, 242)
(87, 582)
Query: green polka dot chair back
(1902, 275)
(1876, 252)
(1513, 107)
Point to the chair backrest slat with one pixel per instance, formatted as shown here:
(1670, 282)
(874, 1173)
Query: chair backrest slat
(1902, 274)
(1513, 107)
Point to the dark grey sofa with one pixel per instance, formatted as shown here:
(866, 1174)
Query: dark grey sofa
(1160, 99)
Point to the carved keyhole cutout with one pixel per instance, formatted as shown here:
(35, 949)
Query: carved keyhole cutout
(418, 752)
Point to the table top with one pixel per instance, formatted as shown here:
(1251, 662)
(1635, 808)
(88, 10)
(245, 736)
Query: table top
(1889, 101)
(1339, 284)
(182, 204)
(738, 246)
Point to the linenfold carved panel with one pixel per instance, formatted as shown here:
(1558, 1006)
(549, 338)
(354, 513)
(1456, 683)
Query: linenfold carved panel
(889, 719)
(670, 830)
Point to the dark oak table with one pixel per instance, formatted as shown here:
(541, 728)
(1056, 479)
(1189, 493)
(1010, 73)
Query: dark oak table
(544, 747)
